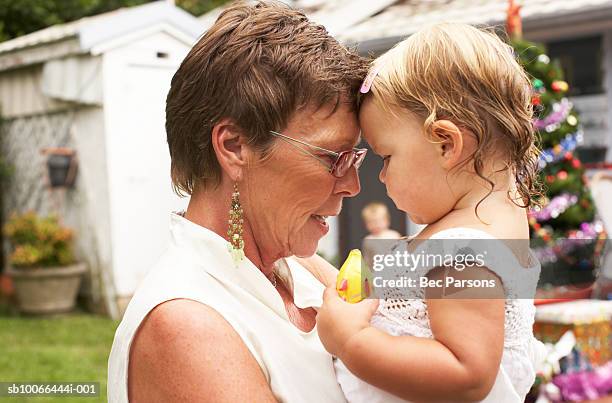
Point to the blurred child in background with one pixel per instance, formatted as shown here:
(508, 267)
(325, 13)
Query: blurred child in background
(377, 220)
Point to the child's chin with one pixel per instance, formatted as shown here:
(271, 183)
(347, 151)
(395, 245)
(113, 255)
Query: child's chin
(417, 219)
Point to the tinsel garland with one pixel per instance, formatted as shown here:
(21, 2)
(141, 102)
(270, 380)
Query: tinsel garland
(559, 114)
(557, 153)
(555, 207)
(588, 232)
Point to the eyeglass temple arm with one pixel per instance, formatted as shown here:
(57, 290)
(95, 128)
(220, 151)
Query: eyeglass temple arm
(304, 151)
(335, 154)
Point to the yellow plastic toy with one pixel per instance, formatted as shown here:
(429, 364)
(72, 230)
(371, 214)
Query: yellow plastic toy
(353, 283)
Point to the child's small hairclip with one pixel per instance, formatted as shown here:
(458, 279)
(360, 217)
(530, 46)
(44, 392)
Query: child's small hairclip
(369, 80)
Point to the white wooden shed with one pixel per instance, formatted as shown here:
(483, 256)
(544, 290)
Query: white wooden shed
(98, 85)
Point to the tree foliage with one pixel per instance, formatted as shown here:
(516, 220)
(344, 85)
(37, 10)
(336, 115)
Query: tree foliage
(20, 17)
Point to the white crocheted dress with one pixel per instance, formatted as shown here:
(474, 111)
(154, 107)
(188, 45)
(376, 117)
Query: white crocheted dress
(522, 352)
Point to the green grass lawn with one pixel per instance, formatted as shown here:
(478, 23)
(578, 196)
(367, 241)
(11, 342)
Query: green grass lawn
(68, 348)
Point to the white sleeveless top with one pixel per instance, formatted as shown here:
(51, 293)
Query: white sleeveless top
(198, 266)
(522, 351)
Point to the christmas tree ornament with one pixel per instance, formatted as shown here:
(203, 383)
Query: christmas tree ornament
(559, 86)
(571, 120)
(543, 59)
(538, 84)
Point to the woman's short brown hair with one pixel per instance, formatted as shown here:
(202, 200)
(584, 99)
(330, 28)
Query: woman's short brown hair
(257, 65)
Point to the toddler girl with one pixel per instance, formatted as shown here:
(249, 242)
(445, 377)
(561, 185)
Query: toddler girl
(449, 111)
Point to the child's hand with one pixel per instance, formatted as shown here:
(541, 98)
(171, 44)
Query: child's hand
(320, 268)
(338, 321)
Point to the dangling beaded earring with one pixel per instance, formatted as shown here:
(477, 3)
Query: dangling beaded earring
(234, 232)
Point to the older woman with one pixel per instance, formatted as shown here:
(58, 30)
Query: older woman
(261, 127)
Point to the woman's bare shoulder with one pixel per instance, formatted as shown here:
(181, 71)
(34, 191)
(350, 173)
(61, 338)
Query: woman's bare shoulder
(185, 350)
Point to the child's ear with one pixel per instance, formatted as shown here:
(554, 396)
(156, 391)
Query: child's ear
(449, 142)
(230, 148)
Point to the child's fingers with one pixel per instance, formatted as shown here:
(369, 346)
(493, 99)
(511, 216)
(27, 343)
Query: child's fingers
(330, 294)
(368, 305)
(371, 303)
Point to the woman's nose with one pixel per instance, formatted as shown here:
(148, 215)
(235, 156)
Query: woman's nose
(348, 185)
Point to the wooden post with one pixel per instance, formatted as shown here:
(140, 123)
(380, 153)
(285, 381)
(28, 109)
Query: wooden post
(514, 25)
(2, 190)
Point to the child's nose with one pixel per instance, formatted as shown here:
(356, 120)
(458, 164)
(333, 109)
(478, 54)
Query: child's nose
(383, 174)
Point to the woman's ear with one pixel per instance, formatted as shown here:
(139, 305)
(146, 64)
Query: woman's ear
(449, 142)
(229, 147)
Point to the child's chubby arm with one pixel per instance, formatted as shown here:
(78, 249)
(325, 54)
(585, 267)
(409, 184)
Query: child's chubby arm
(459, 364)
(320, 268)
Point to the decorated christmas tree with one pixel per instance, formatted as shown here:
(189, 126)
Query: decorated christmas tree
(567, 206)
(567, 215)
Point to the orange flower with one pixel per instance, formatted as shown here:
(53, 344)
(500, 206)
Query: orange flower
(38, 241)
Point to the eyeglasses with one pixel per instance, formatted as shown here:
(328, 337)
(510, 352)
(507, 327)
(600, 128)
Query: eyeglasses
(343, 161)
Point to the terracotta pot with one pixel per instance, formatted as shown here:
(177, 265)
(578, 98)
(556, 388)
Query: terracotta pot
(6, 285)
(41, 290)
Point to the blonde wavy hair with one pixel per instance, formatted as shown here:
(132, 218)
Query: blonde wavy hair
(471, 77)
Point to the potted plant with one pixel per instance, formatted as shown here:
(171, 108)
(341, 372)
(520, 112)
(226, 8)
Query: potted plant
(6, 285)
(45, 276)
